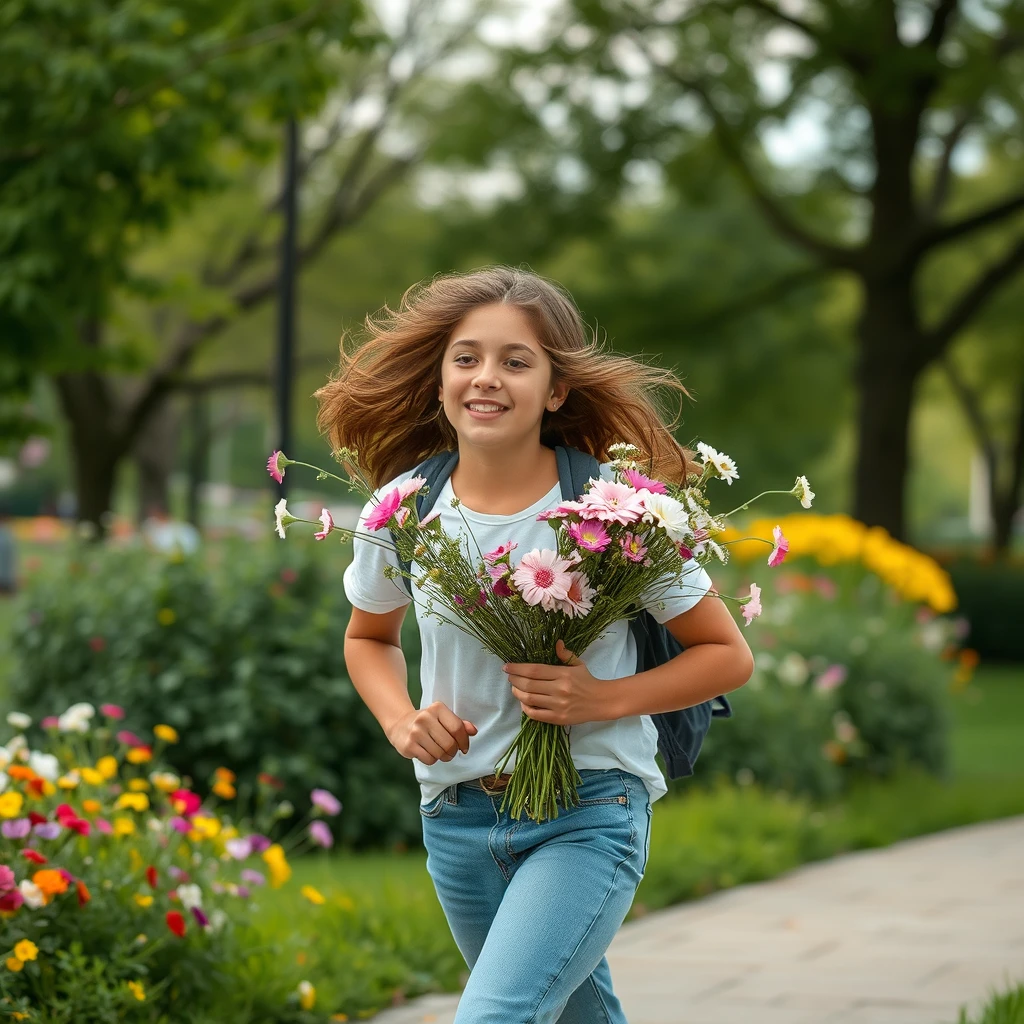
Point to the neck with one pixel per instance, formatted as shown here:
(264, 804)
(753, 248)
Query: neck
(503, 470)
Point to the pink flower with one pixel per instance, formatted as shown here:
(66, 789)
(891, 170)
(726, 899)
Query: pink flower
(833, 676)
(542, 578)
(104, 826)
(112, 711)
(430, 517)
(328, 520)
(6, 878)
(644, 483)
(685, 553)
(411, 486)
(10, 901)
(500, 552)
(276, 465)
(401, 516)
(252, 877)
(778, 555)
(825, 587)
(239, 848)
(129, 739)
(501, 588)
(591, 534)
(580, 598)
(387, 507)
(320, 833)
(633, 547)
(50, 722)
(326, 801)
(179, 824)
(751, 607)
(612, 502)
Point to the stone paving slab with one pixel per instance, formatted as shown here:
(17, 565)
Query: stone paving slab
(902, 935)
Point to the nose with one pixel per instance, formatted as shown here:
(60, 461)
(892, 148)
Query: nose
(486, 378)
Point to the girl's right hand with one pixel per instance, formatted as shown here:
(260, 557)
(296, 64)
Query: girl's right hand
(431, 734)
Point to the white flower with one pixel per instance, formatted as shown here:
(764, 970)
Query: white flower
(793, 669)
(669, 514)
(4, 780)
(190, 896)
(15, 745)
(155, 825)
(5, 758)
(802, 490)
(76, 718)
(18, 720)
(723, 465)
(32, 894)
(218, 918)
(44, 764)
(282, 517)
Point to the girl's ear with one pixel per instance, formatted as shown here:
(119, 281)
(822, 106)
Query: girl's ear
(558, 395)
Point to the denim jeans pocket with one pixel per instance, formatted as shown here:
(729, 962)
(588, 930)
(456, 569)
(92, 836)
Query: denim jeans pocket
(604, 787)
(435, 806)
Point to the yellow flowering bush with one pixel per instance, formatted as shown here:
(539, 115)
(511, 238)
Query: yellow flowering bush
(839, 539)
(103, 848)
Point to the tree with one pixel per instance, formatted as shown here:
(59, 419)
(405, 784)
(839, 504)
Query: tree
(114, 118)
(900, 92)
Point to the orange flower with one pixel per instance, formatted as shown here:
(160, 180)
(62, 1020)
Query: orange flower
(225, 775)
(224, 790)
(50, 882)
(83, 893)
(21, 772)
(92, 806)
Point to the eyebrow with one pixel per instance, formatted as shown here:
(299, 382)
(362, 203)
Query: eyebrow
(513, 346)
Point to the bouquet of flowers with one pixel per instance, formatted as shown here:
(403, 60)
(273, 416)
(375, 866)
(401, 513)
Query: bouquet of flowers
(627, 539)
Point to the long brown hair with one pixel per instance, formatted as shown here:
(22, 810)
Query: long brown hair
(383, 399)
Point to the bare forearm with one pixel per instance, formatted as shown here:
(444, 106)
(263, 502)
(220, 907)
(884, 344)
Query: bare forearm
(378, 673)
(698, 674)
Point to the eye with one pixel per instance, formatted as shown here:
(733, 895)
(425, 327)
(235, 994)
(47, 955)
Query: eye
(458, 359)
(521, 365)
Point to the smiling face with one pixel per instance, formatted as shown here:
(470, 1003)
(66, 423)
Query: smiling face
(496, 379)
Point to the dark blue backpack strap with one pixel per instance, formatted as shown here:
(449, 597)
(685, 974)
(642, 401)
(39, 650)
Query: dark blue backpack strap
(436, 470)
(575, 468)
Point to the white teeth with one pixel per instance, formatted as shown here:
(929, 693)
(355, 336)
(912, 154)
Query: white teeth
(486, 408)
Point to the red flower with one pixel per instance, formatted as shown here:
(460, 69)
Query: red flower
(65, 811)
(34, 855)
(35, 786)
(151, 876)
(36, 818)
(185, 802)
(97, 643)
(269, 780)
(83, 893)
(10, 901)
(176, 923)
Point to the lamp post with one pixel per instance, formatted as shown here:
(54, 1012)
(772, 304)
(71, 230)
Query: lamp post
(286, 296)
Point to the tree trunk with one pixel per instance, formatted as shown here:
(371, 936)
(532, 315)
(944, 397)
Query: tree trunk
(886, 375)
(155, 453)
(1006, 504)
(199, 426)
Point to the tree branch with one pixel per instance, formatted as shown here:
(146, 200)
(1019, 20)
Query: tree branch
(944, 11)
(975, 222)
(970, 301)
(970, 402)
(943, 173)
(787, 19)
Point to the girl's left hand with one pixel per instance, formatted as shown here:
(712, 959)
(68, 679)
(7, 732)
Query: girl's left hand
(564, 694)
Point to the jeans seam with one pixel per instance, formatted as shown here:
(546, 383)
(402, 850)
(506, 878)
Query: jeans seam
(600, 999)
(597, 915)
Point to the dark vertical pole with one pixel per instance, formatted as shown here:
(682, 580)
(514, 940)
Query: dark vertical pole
(197, 458)
(286, 297)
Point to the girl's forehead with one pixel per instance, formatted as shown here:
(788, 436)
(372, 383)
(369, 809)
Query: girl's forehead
(495, 326)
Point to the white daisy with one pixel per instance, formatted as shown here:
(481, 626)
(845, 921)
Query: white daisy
(802, 490)
(667, 513)
(723, 465)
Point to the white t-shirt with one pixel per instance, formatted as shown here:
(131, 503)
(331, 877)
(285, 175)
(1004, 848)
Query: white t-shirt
(457, 671)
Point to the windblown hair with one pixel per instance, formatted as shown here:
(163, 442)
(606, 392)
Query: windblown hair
(383, 398)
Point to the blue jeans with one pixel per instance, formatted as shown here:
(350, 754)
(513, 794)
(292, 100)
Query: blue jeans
(533, 906)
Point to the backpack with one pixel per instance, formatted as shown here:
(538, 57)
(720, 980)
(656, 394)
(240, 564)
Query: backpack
(680, 733)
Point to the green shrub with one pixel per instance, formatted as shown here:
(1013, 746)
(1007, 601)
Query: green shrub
(243, 657)
(991, 596)
(1003, 1008)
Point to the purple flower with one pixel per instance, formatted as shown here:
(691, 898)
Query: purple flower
(51, 829)
(179, 824)
(201, 919)
(253, 877)
(17, 828)
(243, 892)
(238, 848)
(259, 843)
(321, 834)
(327, 802)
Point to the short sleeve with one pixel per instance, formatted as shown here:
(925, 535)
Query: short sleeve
(366, 586)
(683, 594)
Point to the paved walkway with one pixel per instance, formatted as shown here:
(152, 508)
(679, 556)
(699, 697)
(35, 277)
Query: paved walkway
(904, 935)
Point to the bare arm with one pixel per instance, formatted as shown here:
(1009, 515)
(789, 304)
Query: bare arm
(376, 666)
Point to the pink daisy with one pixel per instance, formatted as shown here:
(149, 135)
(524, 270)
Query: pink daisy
(612, 502)
(644, 483)
(276, 464)
(580, 598)
(591, 535)
(431, 517)
(411, 486)
(751, 607)
(328, 520)
(542, 578)
(778, 555)
(633, 547)
(382, 514)
(500, 552)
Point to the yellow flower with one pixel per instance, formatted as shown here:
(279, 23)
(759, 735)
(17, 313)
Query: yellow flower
(137, 990)
(275, 860)
(307, 995)
(139, 755)
(143, 899)
(107, 766)
(166, 616)
(123, 826)
(18, 1015)
(92, 806)
(166, 733)
(339, 1016)
(230, 832)
(313, 895)
(136, 858)
(69, 781)
(14, 964)
(26, 950)
(10, 807)
(224, 790)
(166, 782)
(138, 785)
(225, 775)
(207, 828)
(132, 801)
(92, 777)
